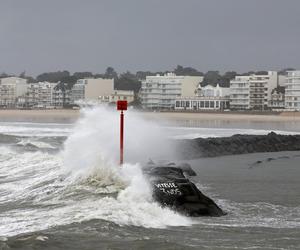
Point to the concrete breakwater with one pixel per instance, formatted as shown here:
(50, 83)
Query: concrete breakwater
(237, 144)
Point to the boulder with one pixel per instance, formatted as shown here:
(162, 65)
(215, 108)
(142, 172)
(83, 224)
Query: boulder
(172, 189)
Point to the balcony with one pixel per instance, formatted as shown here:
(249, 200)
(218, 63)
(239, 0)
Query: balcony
(239, 97)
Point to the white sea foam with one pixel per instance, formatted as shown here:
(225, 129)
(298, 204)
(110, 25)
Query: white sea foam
(38, 144)
(94, 142)
(35, 129)
(91, 155)
(37, 178)
(85, 181)
(40, 190)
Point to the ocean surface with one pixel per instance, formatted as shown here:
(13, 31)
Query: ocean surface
(61, 187)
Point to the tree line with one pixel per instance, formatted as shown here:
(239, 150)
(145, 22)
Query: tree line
(132, 81)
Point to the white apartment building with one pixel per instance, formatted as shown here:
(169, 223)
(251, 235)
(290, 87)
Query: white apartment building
(77, 92)
(40, 95)
(160, 91)
(261, 87)
(252, 91)
(240, 93)
(60, 98)
(292, 91)
(11, 88)
(208, 98)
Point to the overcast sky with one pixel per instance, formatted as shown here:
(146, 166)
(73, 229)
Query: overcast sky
(89, 35)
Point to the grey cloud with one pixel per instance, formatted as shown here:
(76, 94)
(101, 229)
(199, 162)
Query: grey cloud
(242, 35)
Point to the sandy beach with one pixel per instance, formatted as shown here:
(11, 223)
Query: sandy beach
(287, 116)
(70, 116)
(52, 115)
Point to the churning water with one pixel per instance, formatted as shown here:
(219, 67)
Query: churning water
(61, 187)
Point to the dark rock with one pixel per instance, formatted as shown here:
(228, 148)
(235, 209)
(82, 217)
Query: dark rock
(171, 188)
(186, 168)
(237, 144)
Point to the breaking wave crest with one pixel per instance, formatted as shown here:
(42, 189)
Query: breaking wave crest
(81, 182)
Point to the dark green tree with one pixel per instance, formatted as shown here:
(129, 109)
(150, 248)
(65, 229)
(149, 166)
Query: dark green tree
(23, 74)
(53, 76)
(3, 75)
(284, 71)
(69, 81)
(187, 71)
(211, 78)
(141, 75)
(81, 75)
(225, 79)
(262, 72)
(110, 73)
(128, 81)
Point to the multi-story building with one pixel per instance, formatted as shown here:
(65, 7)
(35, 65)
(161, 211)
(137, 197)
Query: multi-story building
(160, 91)
(98, 89)
(92, 90)
(252, 91)
(292, 91)
(208, 98)
(11, 88)
(40, 95)
(77, 92)
(261, 87)
(240, 93)
(61, 98)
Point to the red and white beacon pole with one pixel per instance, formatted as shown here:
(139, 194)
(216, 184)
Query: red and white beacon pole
(121, 105)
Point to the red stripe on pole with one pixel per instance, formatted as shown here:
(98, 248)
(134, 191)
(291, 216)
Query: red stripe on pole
(121, 105)
(121, 137)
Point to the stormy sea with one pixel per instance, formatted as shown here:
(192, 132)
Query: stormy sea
(61, 187)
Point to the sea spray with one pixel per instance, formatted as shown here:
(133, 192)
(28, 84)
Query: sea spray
(94, 144)
(91, 159)
(84, 182)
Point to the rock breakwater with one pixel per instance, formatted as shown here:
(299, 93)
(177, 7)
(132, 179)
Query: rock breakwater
(237, 144)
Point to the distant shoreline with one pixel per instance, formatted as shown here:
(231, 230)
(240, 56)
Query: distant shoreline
(224, 116)
(70, 116)
(49, 115)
